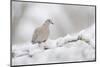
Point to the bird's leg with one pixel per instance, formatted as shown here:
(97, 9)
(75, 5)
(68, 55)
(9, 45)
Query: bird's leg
(45, 44)
(39, 43)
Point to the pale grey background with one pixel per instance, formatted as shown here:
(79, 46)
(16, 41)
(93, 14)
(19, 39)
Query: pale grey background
(26, 16)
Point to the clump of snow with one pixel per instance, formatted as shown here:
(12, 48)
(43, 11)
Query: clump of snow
(71, 48)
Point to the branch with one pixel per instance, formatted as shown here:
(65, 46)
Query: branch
(74, 47)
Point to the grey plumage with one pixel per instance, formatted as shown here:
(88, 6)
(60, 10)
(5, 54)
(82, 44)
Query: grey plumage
(41, 33)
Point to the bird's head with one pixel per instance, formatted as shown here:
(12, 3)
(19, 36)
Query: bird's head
(49, 21)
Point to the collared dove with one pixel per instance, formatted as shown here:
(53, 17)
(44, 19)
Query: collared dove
(41, 33)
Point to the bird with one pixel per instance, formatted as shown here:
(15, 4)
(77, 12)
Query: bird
(41, 33)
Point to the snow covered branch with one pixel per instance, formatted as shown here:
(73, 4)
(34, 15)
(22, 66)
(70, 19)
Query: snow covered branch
(72, 47)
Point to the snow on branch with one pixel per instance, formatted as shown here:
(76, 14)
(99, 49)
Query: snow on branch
(74, 47)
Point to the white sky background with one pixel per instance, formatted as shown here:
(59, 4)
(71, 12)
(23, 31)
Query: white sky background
(67, 19)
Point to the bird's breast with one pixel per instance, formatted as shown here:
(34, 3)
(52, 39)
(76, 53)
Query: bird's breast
(43, 34)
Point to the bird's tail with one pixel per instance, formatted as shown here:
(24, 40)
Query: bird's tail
(33, 42)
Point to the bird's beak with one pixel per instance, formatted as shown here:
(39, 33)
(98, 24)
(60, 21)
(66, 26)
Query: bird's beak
(52, 23)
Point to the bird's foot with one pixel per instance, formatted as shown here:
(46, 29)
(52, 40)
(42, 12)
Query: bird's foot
(45, 48)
